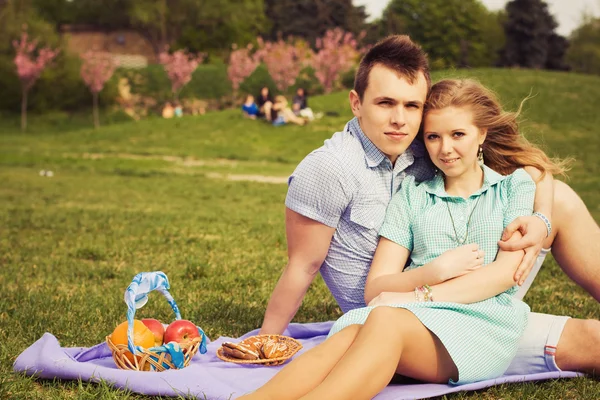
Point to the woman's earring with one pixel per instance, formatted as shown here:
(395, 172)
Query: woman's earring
(480, 155)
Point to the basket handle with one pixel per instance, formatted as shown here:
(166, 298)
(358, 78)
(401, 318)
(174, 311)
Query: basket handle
(136, 296)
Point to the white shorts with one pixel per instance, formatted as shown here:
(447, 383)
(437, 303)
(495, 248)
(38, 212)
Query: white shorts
(537, 346)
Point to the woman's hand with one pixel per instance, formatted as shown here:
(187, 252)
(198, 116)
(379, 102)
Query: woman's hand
(457, 262)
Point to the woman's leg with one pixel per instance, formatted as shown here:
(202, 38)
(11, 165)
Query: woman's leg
(392, 340)
(305, 372)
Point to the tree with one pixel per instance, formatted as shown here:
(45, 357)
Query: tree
(29, 67)
(241, 65)
(531, 40)
(197, 24)
(584, 52)
(96, 69)
(337, 52)
(310, 19)
(450, 31)
(283, 61)
(179, 67)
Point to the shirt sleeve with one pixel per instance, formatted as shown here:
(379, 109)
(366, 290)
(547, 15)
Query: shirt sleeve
(318, 189)
(519, 191)
(397, 225)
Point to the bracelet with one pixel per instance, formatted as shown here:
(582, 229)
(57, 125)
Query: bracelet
(545, 220)
(418, 297)
(423, 293)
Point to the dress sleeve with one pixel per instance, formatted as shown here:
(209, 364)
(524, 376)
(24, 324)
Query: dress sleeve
(318, 189)
(519, 192)
(397, 225)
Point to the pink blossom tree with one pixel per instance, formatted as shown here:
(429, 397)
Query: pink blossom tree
(97, 68)
(241, 66)
(29, 67)
(337, 52)
(179, 67)
(283, 60)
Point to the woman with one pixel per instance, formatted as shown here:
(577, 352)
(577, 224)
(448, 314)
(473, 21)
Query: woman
(445, 330)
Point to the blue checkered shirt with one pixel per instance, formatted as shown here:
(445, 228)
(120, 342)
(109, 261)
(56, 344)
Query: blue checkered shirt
(347, 184)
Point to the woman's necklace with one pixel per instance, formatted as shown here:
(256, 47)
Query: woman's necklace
(462, 240)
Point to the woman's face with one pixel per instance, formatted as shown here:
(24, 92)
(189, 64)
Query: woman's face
(452, 140)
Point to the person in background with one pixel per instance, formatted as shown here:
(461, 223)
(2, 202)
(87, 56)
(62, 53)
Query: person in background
(300, 105)
(249, 108)
(264, 101)
(168, 111)
(178, 110)
(285, 115)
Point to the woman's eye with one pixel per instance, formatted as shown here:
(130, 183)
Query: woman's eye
(432, 137)
(459, 134)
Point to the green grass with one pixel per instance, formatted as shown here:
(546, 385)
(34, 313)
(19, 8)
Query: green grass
(155, 195)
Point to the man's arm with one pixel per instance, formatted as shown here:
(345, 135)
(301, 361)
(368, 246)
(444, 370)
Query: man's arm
(532, 229)
(308, 242)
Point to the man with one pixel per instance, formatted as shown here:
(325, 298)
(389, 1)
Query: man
(338, 195)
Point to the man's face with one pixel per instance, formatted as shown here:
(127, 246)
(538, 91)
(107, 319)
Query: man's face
(391, 110)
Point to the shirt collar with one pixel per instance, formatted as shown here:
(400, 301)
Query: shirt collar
(374, 157)
(436, 187)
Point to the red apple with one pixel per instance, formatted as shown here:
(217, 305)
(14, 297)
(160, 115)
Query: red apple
(158, 330)
(181, 331)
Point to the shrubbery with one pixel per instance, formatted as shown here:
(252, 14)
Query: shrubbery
(61, 88)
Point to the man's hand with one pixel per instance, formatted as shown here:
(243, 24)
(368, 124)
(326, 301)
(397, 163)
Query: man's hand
(534, 232)
(457, 262)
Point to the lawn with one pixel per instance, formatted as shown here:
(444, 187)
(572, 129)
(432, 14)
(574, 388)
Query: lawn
(182, 196)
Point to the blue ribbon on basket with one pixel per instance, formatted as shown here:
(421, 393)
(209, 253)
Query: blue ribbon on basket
(136, 296)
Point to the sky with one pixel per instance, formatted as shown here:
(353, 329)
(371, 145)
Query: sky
(566, 12)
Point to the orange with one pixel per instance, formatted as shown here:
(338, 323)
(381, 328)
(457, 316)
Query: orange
(142, 336)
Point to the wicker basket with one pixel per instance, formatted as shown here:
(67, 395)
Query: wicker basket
(149, 360)
(157, 358)
(292, 348)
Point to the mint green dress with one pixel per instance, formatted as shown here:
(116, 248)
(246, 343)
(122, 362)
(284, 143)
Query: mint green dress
(481, 337)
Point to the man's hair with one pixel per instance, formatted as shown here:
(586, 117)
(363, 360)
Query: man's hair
(398, 53)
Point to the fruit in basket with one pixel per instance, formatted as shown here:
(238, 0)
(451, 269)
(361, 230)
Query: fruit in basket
(142, 336)
(181, 331)
(158, 330)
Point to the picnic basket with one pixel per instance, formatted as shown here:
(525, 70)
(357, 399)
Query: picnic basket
(159, 358)
(292, 347)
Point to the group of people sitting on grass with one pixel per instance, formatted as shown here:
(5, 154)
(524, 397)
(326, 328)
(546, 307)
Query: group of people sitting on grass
(278, 111)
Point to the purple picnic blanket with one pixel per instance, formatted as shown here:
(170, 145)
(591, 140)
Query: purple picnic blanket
(208, 377)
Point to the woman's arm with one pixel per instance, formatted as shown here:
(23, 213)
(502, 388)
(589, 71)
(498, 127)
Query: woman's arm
(478, 285)
(386, 275)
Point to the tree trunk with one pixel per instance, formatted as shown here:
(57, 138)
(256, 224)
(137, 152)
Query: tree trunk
(24, 110)
(95, 111)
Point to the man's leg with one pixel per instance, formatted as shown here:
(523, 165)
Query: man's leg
(578, 348)
(576, 244)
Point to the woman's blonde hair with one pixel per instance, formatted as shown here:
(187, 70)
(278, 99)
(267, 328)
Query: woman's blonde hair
(504, 149)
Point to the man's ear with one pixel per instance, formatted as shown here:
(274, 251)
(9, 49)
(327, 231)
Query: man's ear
(355, 103)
